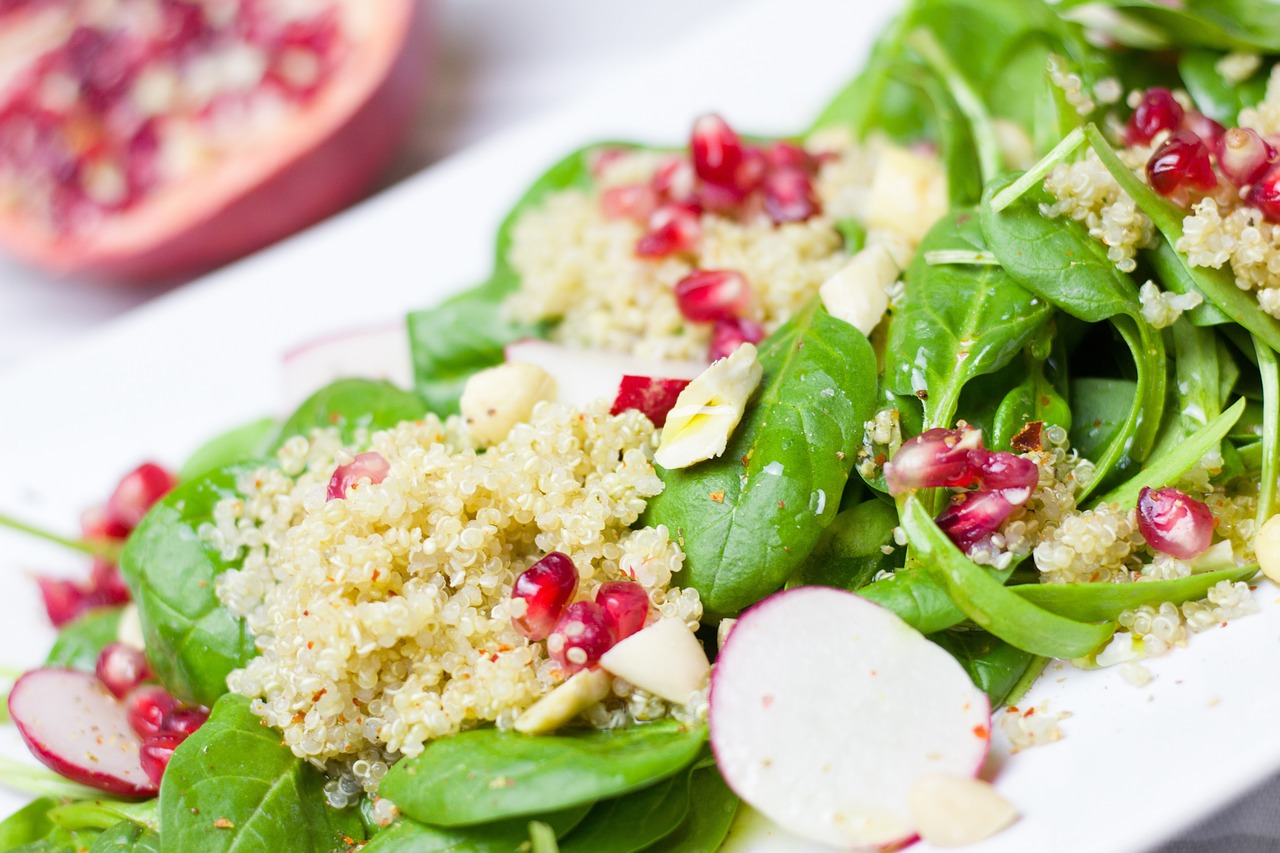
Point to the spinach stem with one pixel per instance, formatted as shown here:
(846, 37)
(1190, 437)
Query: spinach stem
(941, 257)
(923, 42)
(100, 548)
(1270, 370)
(1036, 173)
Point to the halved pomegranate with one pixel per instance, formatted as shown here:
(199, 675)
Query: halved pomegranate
(151, 139)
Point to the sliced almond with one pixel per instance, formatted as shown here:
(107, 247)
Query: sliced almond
(664, 659)
(496, 399)
(565, 702)
(859, 292)
(952, 811)
(708, 409)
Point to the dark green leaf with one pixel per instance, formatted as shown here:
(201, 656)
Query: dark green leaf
(1220, 100)
(193, 643)
(127, 837)
(630, 823)
(502, 836)
(711, 813)
(850, 552)
(995, 667)
(787, 461)
(352, 405)
(81, 641)
(232, 785)
(485, 775)
(250, 441)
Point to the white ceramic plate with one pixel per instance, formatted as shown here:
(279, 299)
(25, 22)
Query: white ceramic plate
(1136, 765)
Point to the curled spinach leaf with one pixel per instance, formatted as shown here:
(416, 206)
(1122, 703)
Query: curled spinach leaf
(232, 785)
(711, 812)
(850, 552)
(486, 775)
(249, 441)
(193, 643)
(788, 462)
(1100, 602)
(631, 823)
(352, 405)
(502, 836)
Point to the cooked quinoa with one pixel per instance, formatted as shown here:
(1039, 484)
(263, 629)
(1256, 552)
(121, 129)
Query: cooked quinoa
(579, 268)
(384, 619)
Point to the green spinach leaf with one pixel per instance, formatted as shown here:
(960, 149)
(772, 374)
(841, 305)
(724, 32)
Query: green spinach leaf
(1100, 602)
(850, 552)
(127, 837)
(232, 785)
(250, 441)
(502, 836)
(81, 641)
(352, 405)
(632, 822)
(995, 667)
(1220, 100)
(788, 461)
(1243, 25)
(485, 775)
(193, 643)
(711, 812)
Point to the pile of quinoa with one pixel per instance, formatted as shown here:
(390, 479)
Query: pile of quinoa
(384, 619)
(579, 268)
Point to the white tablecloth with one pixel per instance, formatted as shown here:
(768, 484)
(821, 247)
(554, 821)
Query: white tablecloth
(500, 61)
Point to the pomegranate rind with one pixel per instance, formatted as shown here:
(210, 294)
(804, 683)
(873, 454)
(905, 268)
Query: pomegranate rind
(76, 728)
(826, 709)
(325, 158)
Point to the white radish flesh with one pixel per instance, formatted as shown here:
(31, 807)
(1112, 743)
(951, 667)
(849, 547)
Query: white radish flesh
(587, 375)
(74, 726)
(381, 352)
(827, 709)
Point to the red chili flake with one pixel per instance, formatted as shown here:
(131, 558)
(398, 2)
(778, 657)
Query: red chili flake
(766, 700)
(782, 504)
(315, 697)
(1029, 438)
(981, 732)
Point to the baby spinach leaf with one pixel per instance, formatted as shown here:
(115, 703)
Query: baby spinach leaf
(850, 551)
(917, 597)
(29, 823)
(1100, 602)
(1217, 98)
(1171, 271)
(501, 836)
(632, 822)
(193, 643)
(81, 641)
(352, 405)
(1269, 469)
(1196, 369)
(485, 775)
(711, 812)
(105, 814)
(1244, 25)
(127, 837)
(1033, 399)
(787, 461)
(991, 604)
(232, 785)
(1099, 410)
(995, 667)
(956, 322)
(250, 441)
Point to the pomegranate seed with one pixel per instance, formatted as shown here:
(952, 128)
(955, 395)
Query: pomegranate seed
(106, 585)
(137, 492)
(603, 159)
(146, 708)
(121, 668)
(181, 722)
(63, 600)
(675, 180)
(672, 228)
(788, 155)
(154, 755)
(751, 170)
(789, 196)
(1014, 477)
(545, 587)
(705, 296)
(1205, 128)
(94, 524)
(1181, 162)
(626, 606)
(717, 150)
(632, 201)
(720, 198)
(1174, 522)
(1244, 156)
(580, 637)
(103, 64)
(972, 517)
(370, 465)
(935, 458)
(1265, 193)
(1157, 111)
(728, 335)
(651, 396)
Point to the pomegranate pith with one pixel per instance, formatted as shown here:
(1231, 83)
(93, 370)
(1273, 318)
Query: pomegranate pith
(1175, 523)
(545, 588)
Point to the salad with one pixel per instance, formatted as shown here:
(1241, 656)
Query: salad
(987, 356)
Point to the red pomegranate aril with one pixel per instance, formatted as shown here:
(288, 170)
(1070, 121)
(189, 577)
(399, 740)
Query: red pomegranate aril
(972, 517)
(370, 465)
(1244, 156)
(728, 335)
(137, 492)
(720, 198)
(673, 228)
(652, 396)
(94, 524)
(1175, 523)
(789, 196)
(601, 160)
(936, 458)
(581, 637)
(147, 707)
(121, 668)
(155, 753)
(674, 180)
(1265, 194)
(716, 150)
(1205, 128)
(630, 201)
(1182, 162)
(66, 600)
(787, 155)
(1157, 111)
(705, 296)
(182, 722)
(626, 606)
(545, 587)
(1013, 476)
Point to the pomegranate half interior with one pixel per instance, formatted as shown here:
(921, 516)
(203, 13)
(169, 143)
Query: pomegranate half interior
(152, 139)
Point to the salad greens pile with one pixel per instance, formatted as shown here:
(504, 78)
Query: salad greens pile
(1027, 320)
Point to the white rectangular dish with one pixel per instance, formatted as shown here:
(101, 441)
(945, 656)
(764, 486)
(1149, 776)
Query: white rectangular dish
(1136, 765)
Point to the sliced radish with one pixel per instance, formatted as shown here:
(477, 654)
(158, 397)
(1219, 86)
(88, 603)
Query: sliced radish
(71, 723)
(381, 352)
(826, 710)
(587, 375)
